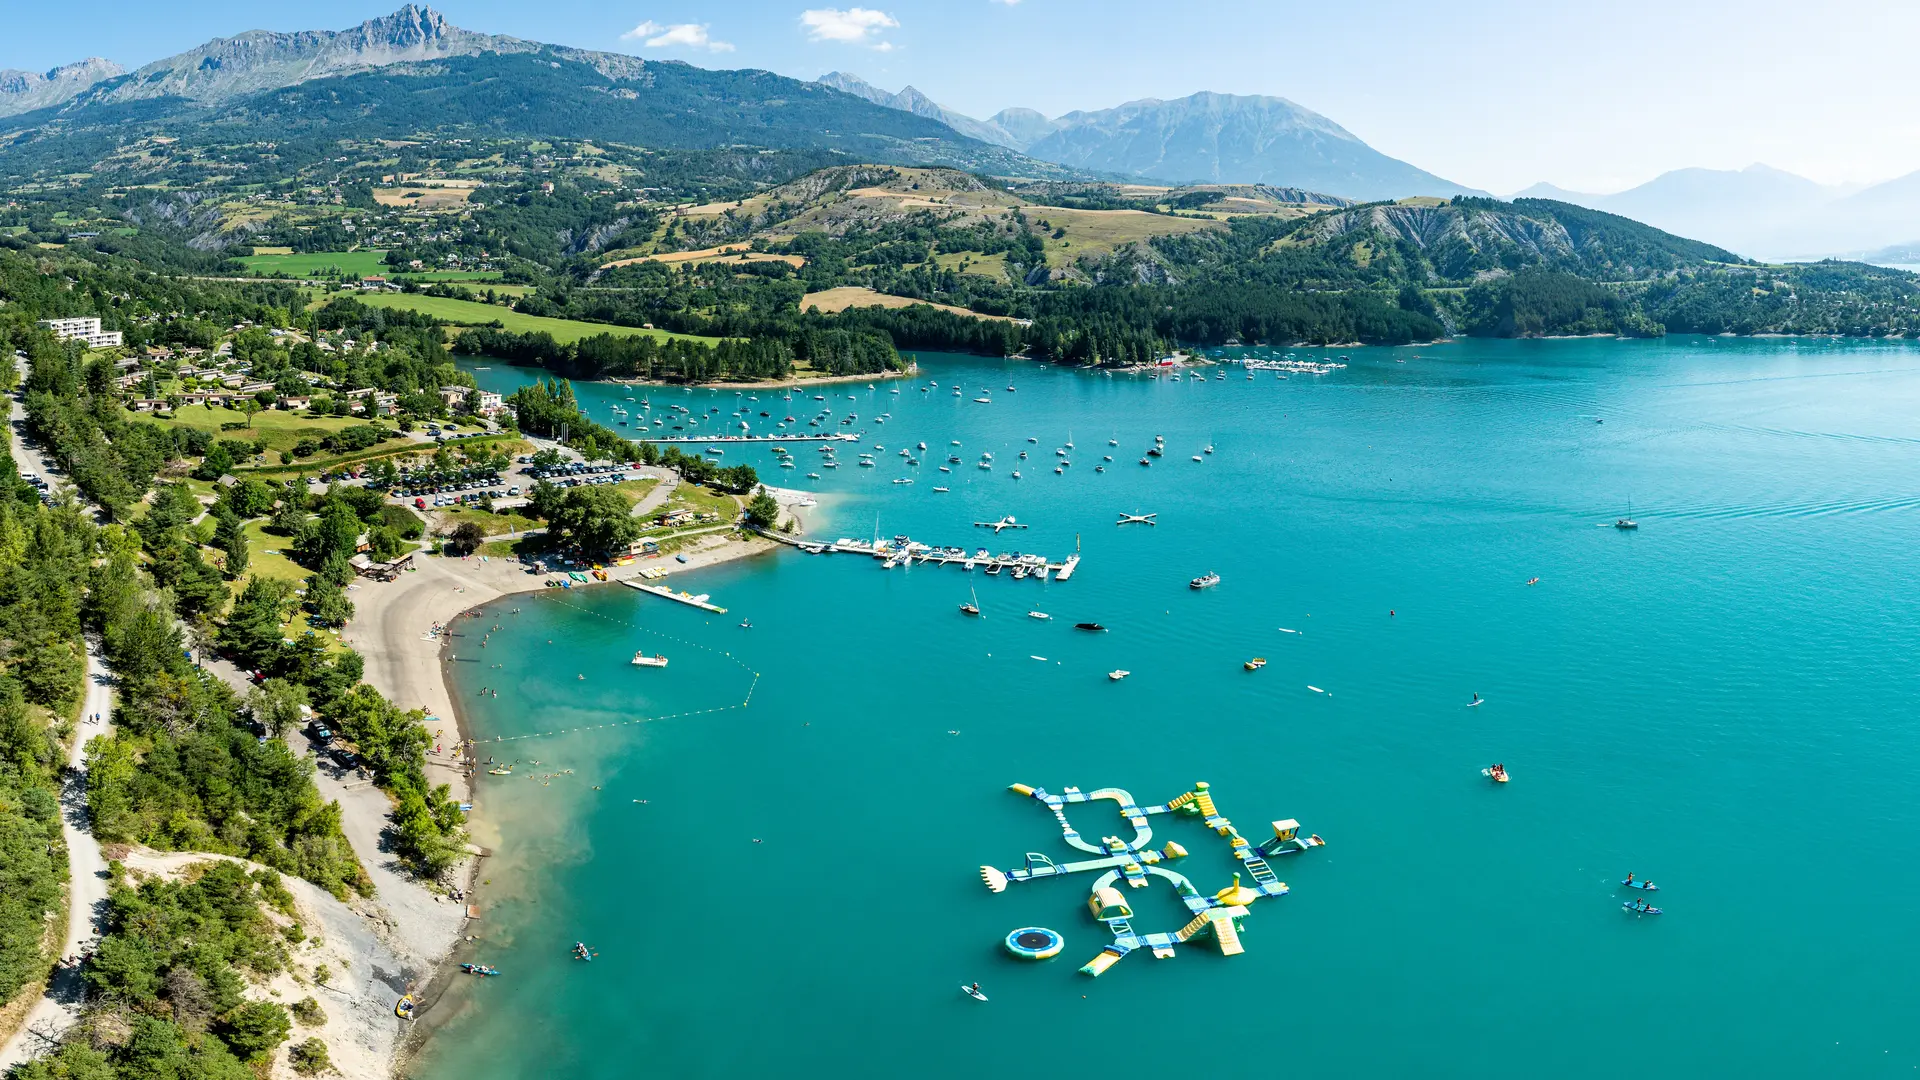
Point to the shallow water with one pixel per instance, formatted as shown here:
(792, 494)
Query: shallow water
(1721, 701)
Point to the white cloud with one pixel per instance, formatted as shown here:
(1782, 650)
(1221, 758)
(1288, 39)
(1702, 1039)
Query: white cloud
(854, 26)
(683, 35)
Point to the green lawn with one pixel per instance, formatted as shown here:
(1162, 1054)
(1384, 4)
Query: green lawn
(264, 558)
(281, 429)
(696, 498)
(476, 313)
(315, 263)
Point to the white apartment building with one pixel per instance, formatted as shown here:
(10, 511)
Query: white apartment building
(87, 330)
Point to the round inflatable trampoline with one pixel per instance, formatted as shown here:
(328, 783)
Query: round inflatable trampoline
(1035, 943)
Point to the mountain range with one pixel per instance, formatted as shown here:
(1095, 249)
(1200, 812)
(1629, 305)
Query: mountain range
(1204, 138)
(1765, 212)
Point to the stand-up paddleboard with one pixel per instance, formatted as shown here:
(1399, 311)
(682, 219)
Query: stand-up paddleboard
(972, 993)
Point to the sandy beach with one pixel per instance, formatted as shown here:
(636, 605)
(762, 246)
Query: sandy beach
(409, 631)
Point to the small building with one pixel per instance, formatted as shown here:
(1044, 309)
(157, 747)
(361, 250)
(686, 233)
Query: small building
(364, 565)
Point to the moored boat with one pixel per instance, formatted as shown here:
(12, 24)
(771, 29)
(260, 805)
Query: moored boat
(1204, 581)
(1255, 664)
(641, 659)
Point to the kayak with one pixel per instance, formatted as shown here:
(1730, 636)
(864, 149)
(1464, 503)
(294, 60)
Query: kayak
(972, 993)
(1639, 907)
(1646, 885)
(404, 1007)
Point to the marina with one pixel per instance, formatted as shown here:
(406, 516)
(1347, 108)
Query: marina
(905, 551)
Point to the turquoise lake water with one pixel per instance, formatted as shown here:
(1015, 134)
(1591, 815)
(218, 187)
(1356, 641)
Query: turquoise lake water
(1723, 701)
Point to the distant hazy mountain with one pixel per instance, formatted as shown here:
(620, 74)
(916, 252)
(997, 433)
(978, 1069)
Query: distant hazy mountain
(1205, 138)
(1762, 212)
(1754, 210)
(1228, 138)
(917, 103)
(24, 91)
(1025, 126)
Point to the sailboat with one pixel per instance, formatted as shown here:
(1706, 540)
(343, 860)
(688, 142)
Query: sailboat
(972, 607)
(1627, 522)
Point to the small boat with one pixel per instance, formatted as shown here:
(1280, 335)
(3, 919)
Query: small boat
(1088, 626)
(942, 490)
(1627, 522)
(1038, 615)
(479, 969)
(500, 770)
(581, 952)
(404, 1007)
(1204, 581)
(945, 469)
(1496, 773)
(1144, 461)
(973, 992)
(1255, 664)
(1640, 907)
(1196, 457)
(1117, 674)
(813, 476)
(1016, 473)
(972, 607)
(641, 659)
(1646, 886)
(904, 480)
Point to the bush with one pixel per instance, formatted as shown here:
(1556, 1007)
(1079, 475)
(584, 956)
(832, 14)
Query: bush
(310, 1058)
(308, 1012)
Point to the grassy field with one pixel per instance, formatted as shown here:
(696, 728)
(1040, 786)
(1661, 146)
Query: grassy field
(476, 313)
(699, 499)
(986, 266)
(851, 296)
(1099, 232)
(314, 263)
(282, 430)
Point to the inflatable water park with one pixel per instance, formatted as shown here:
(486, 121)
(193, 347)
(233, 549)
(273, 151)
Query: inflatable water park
(1219, 917)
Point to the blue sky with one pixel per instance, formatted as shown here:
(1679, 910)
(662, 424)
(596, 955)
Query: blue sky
(1493, 93)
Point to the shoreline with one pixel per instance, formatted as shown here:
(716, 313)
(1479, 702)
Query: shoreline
(908, 372)
(412, 665)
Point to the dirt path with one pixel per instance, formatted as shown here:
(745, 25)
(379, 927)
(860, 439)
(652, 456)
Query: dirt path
(59, 1008)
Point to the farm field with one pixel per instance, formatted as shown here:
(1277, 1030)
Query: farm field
(314, 263)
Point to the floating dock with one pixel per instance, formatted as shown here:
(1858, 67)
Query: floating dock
(901, 551)
(1219, 916)
(677, 597)
(723, 440)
